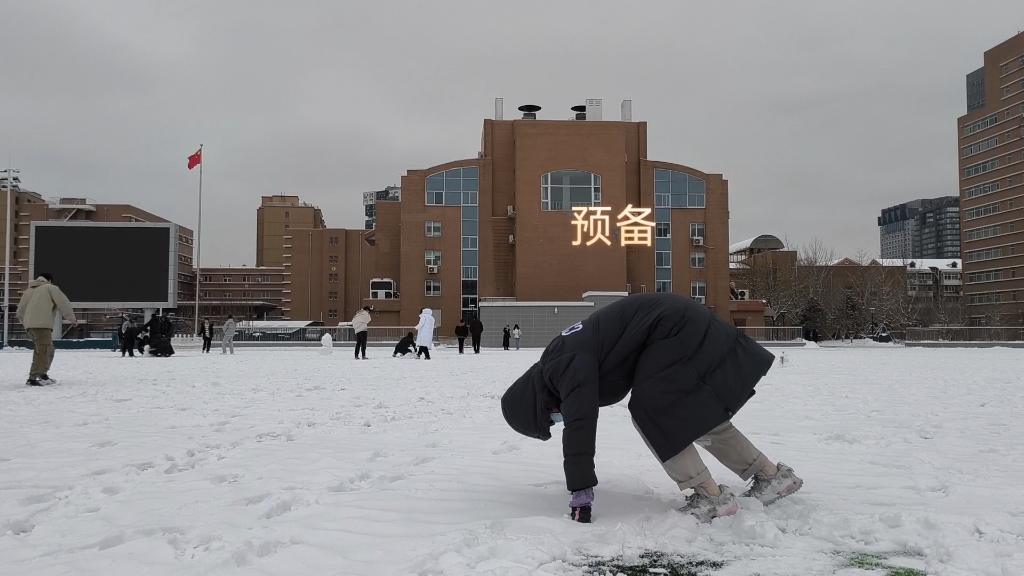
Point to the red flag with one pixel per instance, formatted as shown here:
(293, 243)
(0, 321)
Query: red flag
(195, 159)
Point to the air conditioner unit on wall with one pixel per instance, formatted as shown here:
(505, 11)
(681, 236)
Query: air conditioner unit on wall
(743, 294)
(511, 239)
(698, 240)
(432, 269)
(699, 299)
(511, 211)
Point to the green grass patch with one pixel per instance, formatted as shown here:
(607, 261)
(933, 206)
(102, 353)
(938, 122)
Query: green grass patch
(871, 562)
(653, 562)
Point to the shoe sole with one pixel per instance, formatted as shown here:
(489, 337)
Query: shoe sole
(793, 486)
(732, 510)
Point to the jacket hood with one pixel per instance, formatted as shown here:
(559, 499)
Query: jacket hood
(527, 405)
(38, 282)
(427, 312)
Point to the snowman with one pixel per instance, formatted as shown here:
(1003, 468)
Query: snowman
(326, 344)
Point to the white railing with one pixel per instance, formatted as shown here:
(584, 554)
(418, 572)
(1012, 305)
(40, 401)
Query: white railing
(315, 333)
(966, 334)
(773, 333)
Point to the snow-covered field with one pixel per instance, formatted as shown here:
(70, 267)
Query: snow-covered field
(286, 462)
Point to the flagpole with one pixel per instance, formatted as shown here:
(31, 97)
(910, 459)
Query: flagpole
(199, 238)
(7, 254)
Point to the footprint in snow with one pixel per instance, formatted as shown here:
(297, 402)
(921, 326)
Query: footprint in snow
(17, 527)
(225, 479)
(39, 499)
(252, 500)
(251, 550)
(280, 507)
(366, 479)
(505, 448)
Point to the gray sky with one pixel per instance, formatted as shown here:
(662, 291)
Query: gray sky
(819, 113)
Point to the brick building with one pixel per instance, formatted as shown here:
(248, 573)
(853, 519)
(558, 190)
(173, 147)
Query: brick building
(28, 207)
(501, 225)
(245, 292)
(991, 141)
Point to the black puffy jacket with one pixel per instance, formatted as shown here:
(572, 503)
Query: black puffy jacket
(405, 345)
(688, 372)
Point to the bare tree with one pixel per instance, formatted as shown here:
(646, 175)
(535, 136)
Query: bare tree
(947, 311)
(815, 260)
(773, 283)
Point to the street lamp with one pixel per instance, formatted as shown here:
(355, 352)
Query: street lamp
(9, 182)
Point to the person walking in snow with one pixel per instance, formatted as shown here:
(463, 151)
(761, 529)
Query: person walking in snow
(152, 326)
(228, 340)
(461, 332)
(687, 373)
(131, 338)
(206, 331)
(123, 321)
(37, 312)
(476, 330)
(127, 340)
(360, 324)
(506, 337)
(405, 345)
(517, 334)
(425, 333)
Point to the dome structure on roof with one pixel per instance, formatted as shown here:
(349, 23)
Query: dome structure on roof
(757, 244)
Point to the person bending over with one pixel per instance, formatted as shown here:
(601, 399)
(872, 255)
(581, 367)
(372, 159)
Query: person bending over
(688, 373)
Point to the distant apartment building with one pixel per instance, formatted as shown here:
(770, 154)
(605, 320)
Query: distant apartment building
(28, 207)
(244, 292)
(991, 139)
(926, 228)
(931, 278)
(370, 199)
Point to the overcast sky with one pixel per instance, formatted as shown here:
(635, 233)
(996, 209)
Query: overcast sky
(819, 114)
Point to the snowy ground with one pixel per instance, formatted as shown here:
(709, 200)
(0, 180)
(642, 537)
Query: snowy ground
(287, 462)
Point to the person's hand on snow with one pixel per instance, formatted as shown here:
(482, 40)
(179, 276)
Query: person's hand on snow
(580, 505)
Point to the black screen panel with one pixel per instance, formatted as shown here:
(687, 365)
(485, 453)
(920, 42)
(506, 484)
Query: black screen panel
(121, 264)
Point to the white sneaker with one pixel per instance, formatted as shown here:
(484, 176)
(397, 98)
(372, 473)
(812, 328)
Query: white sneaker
(707, 508)
(768, 490)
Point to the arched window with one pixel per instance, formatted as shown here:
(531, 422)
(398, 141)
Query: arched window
(678, 190)
(567, 189)
(455, 187)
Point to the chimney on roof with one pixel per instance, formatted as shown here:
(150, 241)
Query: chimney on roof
(529, 111)
(581, 112)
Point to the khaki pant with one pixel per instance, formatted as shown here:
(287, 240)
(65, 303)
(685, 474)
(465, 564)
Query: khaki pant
(727, 444)
(42, 356)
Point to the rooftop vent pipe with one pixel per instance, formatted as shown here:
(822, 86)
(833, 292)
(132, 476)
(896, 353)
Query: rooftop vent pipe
(529, 111)
(581, 112)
